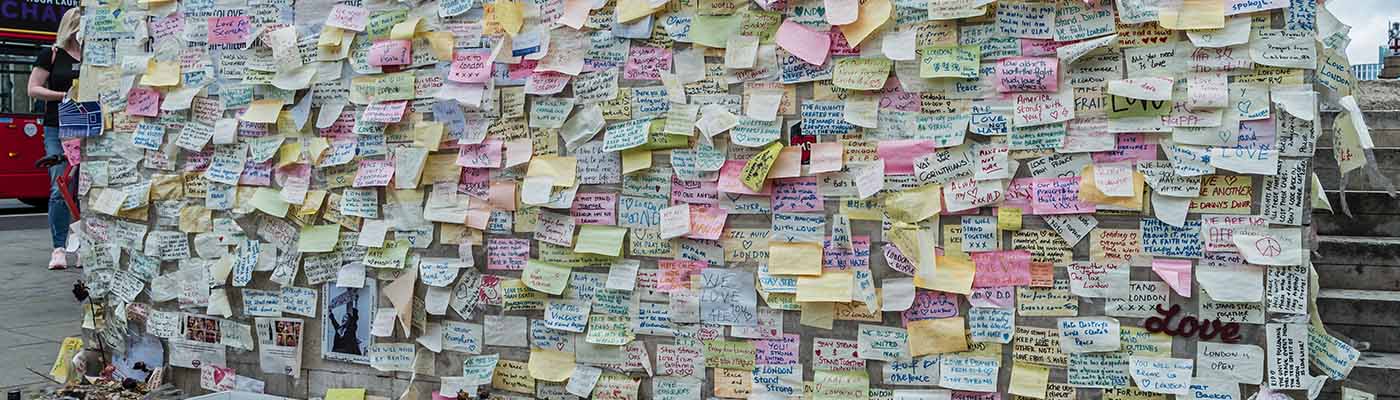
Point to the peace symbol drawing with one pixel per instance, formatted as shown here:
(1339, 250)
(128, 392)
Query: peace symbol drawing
(1268, 246)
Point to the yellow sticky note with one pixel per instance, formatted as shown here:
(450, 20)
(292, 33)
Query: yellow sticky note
(550, 365)
(428, 135)
(954, 275)
(937, 336)
(634, 160)
(61, 365)
(1193, 14)
(161, 73)
(512, 376)
(311, 204)
(263, 111)
(442, 43)
(600, 239)
(1009, 218)
(406, 29)
(1029, 380)
(818, 315)
(345, 394)
(290, 153)
(318, 238)
(562, 169)
(914, 205)
(733, 383)
(756, 169)
(830, 286)
(510, 14)
(873, 14)
(795, 258)
(330, 36)
(631, 10)
(269, 200)
(545, 277)
(1090, 193)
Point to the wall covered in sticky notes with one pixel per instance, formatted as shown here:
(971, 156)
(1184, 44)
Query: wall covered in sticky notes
(653, 199)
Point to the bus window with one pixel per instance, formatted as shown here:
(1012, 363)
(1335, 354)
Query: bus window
(15, 64)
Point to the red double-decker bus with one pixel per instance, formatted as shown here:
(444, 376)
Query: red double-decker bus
(25, 27)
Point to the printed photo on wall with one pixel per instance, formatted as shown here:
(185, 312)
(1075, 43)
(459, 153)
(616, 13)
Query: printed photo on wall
(345, 322)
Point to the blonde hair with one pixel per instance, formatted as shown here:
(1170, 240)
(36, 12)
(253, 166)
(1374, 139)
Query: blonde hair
(68, 28)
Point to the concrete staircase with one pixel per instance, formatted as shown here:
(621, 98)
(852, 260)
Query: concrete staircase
(1358, 258)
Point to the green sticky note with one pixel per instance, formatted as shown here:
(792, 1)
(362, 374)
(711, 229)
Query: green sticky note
(318, 238)
(600, 239)
(714, 30)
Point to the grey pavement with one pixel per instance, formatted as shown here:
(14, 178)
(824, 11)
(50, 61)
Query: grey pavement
(37, 309)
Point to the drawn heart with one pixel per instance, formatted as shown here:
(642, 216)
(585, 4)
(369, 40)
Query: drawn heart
(1245, 105)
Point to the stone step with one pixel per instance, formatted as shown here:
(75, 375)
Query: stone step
(1372, 214)
(1374, 309)
(1357, 276)
(1381, 339)
(1325, 165)
(1351, 250)
(1382, 137)
(1388, 296)
(1374, 373)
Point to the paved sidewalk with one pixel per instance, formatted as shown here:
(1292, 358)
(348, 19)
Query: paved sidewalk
(37, 309)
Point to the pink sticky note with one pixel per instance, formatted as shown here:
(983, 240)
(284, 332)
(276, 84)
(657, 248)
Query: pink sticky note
(1002, 268)
(230, 30)
(546, 82)
(518, 152)
(675, 274)
(143, 101)
(1054, 196)
(839, 45)
(521, 71)
(374, 173)
(391, 52)
(931, 304)
(1020, 193)
(729, 181)
(788, 164)
(797, 195)
(894, 98)
(73, 150)
(899, 155)
(845, 259)
(594, 208)
(1177, 274)
(806, 43)
(706, 222)
(1040, 47)
(470, 66)
(896, 260)
(475, 182)
(502, 196)
(827, 156)
(841, 12)
(486, 154)
(508, 254)
(694, 192)
(646, 63)
(1129, 147)
(1028, 74)
(575, 13)
(386, 112)
(348, 17)
(993, 297)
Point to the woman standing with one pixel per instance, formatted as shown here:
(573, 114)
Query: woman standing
(55, 69)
